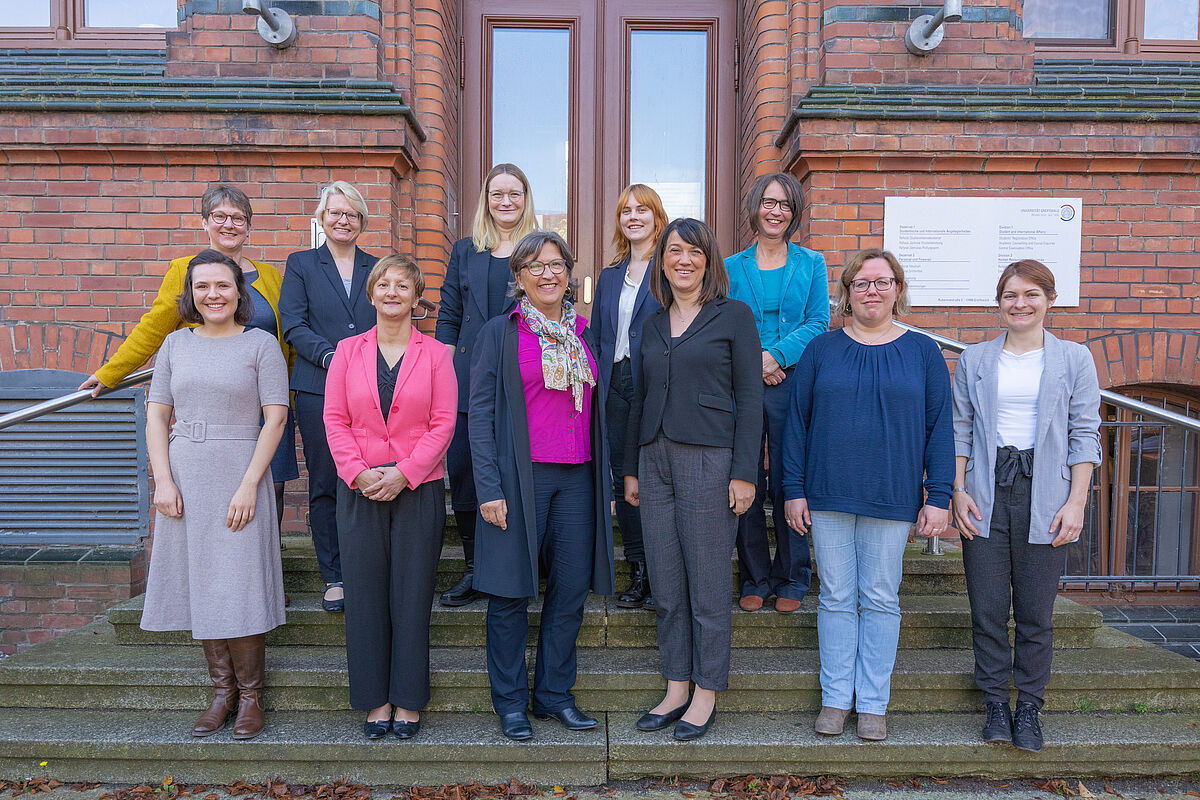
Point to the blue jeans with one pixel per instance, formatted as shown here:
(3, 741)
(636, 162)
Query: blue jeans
(860, 561)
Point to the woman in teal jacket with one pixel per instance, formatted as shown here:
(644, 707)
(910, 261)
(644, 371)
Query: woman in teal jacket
(787, 287)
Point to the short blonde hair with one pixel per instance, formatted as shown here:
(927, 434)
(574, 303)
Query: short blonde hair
(352, 195)
(484, 234)
(406, 264)
(842, 305)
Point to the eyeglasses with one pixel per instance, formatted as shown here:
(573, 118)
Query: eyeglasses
(237, 220)
(881, 285)
(500, 197)
(334, 216)
(538, 268)
(769, 203)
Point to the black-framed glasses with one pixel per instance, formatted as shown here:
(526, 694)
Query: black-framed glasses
(334, 216)
(538, 268)
(220, 217)
(881, 284)
(769, 203)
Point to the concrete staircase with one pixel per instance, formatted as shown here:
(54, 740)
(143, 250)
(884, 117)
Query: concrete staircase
(111, 702)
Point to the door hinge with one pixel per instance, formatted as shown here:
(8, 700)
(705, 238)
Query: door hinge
(737, 66)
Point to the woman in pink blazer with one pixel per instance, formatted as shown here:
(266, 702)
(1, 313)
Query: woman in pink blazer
(391, 399)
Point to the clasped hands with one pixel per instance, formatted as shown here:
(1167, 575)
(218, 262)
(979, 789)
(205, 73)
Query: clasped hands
(381, 483)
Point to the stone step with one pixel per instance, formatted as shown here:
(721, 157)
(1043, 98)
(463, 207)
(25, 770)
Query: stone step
(948, 745)
(298, 747)
(313, 747)
(922, 574)
(89, 670)
(928, 621)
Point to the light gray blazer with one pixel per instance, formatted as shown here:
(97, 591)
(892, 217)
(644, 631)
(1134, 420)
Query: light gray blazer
(1068, 427)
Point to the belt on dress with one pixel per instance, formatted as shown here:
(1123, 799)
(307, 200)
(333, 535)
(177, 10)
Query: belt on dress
(200, 430)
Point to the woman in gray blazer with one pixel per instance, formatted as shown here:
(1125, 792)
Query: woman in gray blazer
(1024, 393)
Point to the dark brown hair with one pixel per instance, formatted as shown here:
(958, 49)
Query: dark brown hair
(1035, 272)
(715, 283)
(791, 189)
(526, 252)
(186, 304)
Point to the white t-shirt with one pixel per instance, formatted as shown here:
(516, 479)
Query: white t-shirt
(1017, 383)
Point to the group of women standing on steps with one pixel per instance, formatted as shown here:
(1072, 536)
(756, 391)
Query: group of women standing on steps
(702, 386)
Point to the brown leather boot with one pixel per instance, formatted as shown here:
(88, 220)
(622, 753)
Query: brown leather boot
(225, 694)
(249, 655)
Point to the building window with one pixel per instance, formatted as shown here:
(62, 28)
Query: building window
(1114, 27)
(88, 23)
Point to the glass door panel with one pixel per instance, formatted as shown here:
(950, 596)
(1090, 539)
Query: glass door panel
(668, 117)
(531, 110)
(26, 14)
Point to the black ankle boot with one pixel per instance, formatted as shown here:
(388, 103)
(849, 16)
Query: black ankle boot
(463, 593)
(639, 587)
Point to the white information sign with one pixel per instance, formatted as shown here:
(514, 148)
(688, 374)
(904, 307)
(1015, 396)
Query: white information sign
(954, 248)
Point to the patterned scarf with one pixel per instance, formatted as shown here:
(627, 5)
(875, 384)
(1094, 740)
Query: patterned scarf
(564, 361)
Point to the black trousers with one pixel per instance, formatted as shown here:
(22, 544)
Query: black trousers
(566, 535)
(322, 484)
(616, 410)
(460, 470)
(789, 573)
(1004, 571)
(390, 555)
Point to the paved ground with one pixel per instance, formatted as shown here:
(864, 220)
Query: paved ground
(922, 789)
(1177, 628)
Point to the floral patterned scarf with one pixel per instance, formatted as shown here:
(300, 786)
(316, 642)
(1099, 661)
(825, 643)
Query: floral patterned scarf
(564, 359)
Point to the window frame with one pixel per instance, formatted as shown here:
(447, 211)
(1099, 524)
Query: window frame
(67, 30)
(1127, 20)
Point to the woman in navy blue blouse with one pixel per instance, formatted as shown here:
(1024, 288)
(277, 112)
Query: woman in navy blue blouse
(869, 388)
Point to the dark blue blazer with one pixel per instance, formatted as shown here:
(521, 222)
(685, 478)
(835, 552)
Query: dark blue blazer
(506, 561)
(316, 314)
(604, 317)
(463, 308)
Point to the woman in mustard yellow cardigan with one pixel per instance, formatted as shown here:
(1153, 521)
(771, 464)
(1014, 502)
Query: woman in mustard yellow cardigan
(226, 214)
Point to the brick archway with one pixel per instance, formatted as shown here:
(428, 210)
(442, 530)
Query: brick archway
(1142, 357)
(39, 345)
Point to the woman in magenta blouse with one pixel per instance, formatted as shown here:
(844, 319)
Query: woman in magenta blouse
(542, 482)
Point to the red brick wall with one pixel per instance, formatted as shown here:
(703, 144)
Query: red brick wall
(39, 601)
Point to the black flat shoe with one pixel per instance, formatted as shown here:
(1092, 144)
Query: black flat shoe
(516, 726)
(462, 593)
(335, 606)
(405, 730)
(686, 731)
(571, 718)
(377, 730)
(656, 722)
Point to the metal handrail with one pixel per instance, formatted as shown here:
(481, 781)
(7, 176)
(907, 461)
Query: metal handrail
(68, 400)
(1112, 398)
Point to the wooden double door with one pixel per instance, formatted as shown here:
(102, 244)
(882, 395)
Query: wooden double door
(587, 96)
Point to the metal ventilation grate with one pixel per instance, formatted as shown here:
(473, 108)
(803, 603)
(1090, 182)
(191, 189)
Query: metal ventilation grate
(77, 476)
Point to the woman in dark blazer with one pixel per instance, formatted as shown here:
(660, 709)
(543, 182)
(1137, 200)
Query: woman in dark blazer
(1026, 439)
(623, 303)
(323, 301)
(537, 443)
(692, 461)
(389, 412)
(476, 290)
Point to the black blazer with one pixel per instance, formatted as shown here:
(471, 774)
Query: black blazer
(705, 388)
(316, 313)
(506, 561)
(463, 308)
(609, 283)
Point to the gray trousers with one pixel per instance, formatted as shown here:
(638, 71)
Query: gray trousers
(689, 532)
(390, 555)
(1004, 571)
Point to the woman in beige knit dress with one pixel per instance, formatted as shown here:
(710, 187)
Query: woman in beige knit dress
(214, 567)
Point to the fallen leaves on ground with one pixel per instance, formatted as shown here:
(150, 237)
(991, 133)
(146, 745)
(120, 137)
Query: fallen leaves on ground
(30, 786)
(776, 787)
(1056, 786)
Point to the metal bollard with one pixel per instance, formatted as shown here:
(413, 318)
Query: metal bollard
(933, 546)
